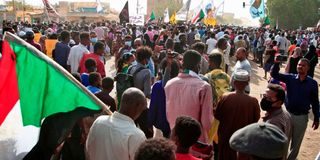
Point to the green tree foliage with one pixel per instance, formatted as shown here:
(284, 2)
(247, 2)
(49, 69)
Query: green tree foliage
(158, 6)
(292, 14)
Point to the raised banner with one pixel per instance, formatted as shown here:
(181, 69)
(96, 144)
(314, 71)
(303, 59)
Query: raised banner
(137, 20)
(257, 8)
(51, 12)
(182, 14)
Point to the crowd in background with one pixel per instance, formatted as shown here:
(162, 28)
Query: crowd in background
(197, 79)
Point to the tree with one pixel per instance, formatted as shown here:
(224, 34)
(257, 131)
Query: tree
(161, 5)
(291, 14)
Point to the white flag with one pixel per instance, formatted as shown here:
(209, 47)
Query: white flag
(182, 13)
(166, 16)
(99, 6)
(51, 12)
(218, 8)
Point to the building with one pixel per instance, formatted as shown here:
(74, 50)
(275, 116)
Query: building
(7, 13)
(85, 11)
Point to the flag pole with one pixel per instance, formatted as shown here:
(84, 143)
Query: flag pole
(14, 9)
(277, 23)
(223, 8)
(46, 11)
(188, 11)
(138, 7)
(24, 10)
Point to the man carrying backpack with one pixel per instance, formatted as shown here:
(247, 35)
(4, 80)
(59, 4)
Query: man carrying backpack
(142, 79)
(141, 76)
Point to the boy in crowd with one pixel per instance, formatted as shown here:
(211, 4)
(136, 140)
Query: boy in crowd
(184, 141)
(156, 149)
(104, 95)
(94, 82)
(91, 66)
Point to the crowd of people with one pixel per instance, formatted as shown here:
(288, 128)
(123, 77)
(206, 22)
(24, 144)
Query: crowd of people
(181, 80)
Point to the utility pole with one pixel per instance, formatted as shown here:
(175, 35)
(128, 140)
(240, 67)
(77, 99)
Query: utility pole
(24, 10)
(138, 7)
(14, 10)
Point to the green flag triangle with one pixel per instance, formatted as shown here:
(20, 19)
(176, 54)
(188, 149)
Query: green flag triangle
(152, 16)
(201, 14)
(266, 21)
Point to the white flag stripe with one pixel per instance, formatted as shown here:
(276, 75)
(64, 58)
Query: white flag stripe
(166, 16)
(182, 13)
(16, 140)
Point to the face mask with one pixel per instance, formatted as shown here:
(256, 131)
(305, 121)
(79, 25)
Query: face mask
(94, 40)
(127, 43)
(265, 104)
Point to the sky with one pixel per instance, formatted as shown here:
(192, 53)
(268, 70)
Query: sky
(231, 6)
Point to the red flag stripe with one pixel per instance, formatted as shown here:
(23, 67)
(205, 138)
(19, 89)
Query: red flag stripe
(9, 93)
(196, 18)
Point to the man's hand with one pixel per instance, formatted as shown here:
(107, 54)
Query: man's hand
(315, 125)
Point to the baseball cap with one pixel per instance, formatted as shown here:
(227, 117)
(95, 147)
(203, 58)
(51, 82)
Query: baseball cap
(263, 140)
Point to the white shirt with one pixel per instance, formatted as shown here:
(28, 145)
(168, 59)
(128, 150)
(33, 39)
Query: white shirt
(314, 42)
(76, 53)
(226, 54)
(277, 37)
(219, 35)
(268, 42)
(245, 65)
(283, 42)
(114, 137)
(236, 39)
(211, 42)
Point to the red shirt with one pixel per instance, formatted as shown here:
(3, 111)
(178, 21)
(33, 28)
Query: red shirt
(291, 49)
(188, 156)
(100, 64)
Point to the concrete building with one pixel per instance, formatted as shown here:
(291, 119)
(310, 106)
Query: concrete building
(84, 11)
(30, 15)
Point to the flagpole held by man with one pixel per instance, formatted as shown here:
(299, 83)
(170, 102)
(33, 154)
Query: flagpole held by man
(57, 94)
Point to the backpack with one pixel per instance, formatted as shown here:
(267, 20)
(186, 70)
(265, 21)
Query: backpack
(125, 80)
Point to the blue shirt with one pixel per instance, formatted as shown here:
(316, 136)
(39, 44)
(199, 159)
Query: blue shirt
(300, 94)
(157, 109)
(93, 89)
(85, 79)
(151, 67)
(201, 32)
(61, 53)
